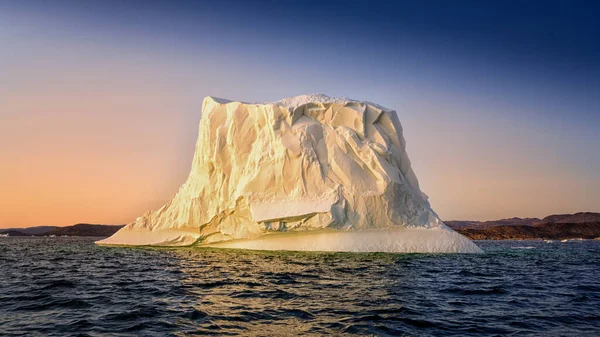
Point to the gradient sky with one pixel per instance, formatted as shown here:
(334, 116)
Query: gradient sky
(100, 101)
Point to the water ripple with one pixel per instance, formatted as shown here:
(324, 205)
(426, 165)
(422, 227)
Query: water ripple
(69, 286)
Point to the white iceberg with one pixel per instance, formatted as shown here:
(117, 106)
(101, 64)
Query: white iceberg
(309, 172)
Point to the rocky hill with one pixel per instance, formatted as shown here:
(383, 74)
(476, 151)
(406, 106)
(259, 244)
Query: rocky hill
(556, 227)
(74, 230)
(462, 224)
(582, 217)
(27, 231)
(86, 230)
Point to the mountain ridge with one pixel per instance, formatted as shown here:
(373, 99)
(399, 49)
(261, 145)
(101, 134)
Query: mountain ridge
(80, 229)
(579, 217)
(585, 225)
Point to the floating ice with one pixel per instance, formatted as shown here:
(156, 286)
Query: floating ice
(414, 240)
(277, 175)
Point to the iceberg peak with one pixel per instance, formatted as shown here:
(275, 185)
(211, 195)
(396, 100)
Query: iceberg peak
(299, 100)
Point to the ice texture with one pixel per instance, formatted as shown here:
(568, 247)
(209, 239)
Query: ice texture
(330, 173)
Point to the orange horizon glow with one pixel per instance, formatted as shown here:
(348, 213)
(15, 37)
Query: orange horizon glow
(124, 157)
(98, 124)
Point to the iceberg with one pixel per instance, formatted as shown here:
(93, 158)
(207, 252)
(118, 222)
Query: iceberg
(309, 172)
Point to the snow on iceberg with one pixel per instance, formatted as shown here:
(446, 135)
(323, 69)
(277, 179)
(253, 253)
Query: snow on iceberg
(309, 172)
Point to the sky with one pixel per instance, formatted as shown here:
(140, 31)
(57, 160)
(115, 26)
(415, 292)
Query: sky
(100, 100)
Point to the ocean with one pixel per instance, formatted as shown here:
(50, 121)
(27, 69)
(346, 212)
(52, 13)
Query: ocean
(71, 287)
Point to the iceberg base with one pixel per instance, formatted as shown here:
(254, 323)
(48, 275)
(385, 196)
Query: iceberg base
(405, 240)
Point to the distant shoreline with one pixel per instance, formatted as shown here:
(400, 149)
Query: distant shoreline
(583, 225)
(81, 229)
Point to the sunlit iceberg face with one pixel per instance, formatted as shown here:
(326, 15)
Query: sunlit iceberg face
(306, 163)
(395, 240)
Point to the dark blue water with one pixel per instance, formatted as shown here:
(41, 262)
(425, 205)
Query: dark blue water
(69, 286)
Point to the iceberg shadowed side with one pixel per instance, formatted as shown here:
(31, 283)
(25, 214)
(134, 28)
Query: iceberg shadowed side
(334, 170)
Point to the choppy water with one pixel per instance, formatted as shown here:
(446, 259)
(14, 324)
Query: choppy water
(69, 286)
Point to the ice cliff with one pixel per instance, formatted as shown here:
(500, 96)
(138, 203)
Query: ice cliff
(334, 169)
